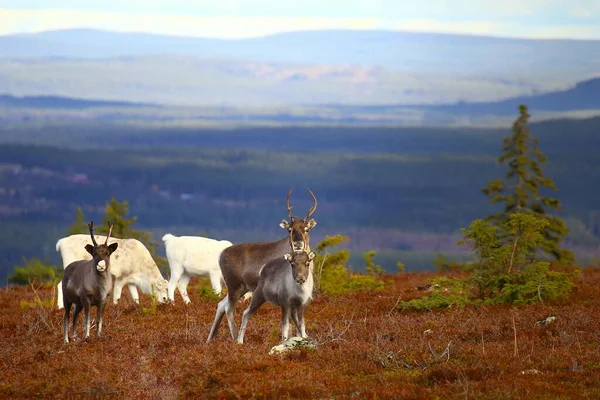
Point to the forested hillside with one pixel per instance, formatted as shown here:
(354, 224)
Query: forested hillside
(404, 192)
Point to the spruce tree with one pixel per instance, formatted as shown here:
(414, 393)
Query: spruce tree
(117, 213)
(520, 190)
(79, 225)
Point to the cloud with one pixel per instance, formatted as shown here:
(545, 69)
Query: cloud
(460, 9)
(183, 25)
(586, 11)
(238, 26)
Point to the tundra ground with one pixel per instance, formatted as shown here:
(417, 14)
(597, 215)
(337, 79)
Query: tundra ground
(366, 349)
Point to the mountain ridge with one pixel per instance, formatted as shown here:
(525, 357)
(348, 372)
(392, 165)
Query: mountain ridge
(390, 49)
(372, 67)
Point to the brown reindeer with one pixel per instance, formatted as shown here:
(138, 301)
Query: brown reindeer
(87, 283)
(240, 264)
(298, 228)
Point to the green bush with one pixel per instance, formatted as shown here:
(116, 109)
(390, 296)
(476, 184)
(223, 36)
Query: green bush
(443, 264)
(361, 283)
(536, 283)
(445, 292)
(331, 274)
(35, 269)
(505, 272)
(206, 292)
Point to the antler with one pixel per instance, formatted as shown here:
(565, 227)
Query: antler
(289, 208)
(110, 228)
(91, 228)
(313, 208)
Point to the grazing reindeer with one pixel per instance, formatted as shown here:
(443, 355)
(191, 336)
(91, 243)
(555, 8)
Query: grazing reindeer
(193, 256)
(241, 263)
(87, 283)
(286, 282)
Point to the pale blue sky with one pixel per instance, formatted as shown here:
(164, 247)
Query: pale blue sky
(247, 18)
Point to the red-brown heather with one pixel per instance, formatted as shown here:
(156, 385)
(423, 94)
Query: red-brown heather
(366, 349)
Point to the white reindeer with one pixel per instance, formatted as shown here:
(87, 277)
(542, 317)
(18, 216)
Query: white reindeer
(132, 266)
(193, 256)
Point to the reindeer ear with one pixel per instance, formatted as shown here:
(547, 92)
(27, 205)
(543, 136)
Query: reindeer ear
(287, 256)
(90, 249)
(311, 255)
(311, 224)
(284, 224)
(113, 247)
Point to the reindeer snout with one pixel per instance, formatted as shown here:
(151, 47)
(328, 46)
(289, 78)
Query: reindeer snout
(298, 246)
(300, 279)
(101, 266)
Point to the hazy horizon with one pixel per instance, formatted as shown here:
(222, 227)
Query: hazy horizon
(531, 19)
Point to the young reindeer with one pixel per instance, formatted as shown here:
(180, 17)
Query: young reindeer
(286, 282)
(87, 283)
(241, 263)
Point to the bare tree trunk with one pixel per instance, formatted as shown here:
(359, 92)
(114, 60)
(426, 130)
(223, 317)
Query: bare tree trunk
(512, 255)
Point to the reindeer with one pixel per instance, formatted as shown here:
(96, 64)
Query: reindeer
(132, 266)
(241, 263)
(286, 282)
(193, 256)
(87, 283)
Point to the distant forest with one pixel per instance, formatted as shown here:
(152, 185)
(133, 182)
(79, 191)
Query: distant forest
(404, 192)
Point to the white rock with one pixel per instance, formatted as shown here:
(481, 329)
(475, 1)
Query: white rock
(292, 343)
(546, 321)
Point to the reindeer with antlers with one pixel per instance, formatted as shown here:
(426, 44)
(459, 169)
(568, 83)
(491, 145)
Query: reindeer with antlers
(87, 283)
(241, 263)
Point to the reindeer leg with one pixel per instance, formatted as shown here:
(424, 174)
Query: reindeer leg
(99, 313)
(218, 317)
(134, 292)
(296, 320)
(230, 312)
(182, 285)
(78, 309)
(117, 289)
(66, 323)
(86, 313)
(256, 302)
(302, 327)
(176, 271)
(285, 322)
(215, 282)
(59, 299)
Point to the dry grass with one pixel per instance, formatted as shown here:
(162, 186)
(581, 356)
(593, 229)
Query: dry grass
(366, 349)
